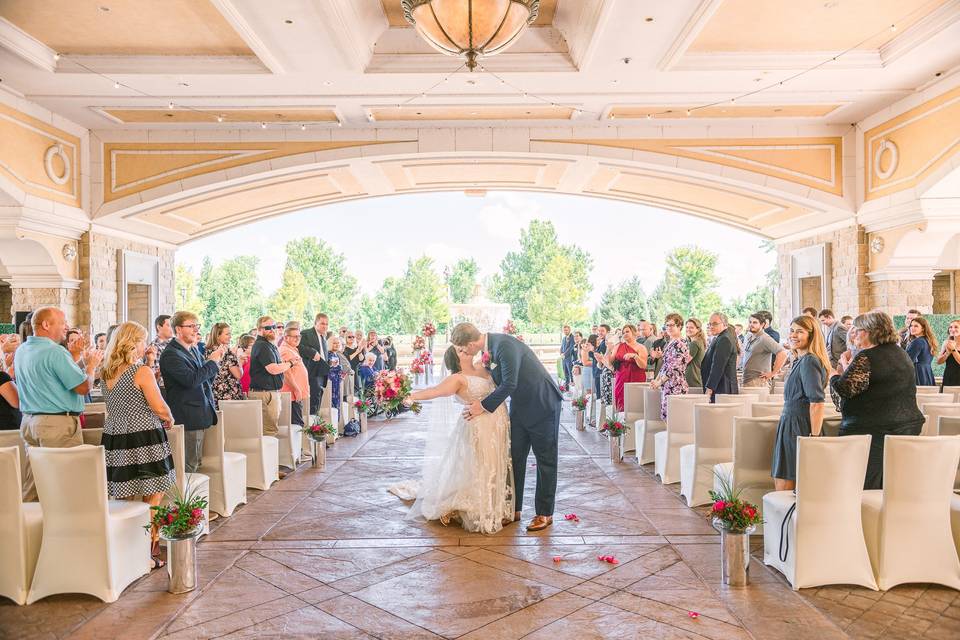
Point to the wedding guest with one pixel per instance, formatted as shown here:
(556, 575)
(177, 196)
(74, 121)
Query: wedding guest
(847, 322)
(296, 380)
(671, 380)
(567, 354)
(100, 341)
(757, 349)
(697, 346)
(738, 331)
(656, 354)
(10, 343)
(835, 336)
(391, 353)
(26, 328)
(74, 344)
(905, 336)
(768, 325)
(226, 386)
(164, 334)
(599, 365)
(810, 311)
(628, 361)
(337, 371)
(188, 378)
(949, 356)
(244, 345)
(648, 333)
(266, 373)
(802, 414)
(139, 461)
(719, 367)
(922, 349)
(368, 371)
(10, 416)
(375, 347)
(353, 356)
(586, 363)
(606, 370)
(51, 388)
(876, 391)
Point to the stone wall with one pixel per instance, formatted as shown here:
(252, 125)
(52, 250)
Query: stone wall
(6, 304)
(99, 272)
(896, 297)
(848, 282)
(66, 299)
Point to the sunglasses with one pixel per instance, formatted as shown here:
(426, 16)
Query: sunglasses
(270, 327)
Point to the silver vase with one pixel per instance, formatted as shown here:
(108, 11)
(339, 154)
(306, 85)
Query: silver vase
(579, 415)
(616, 448)
(318, 454)
(182, 562)
(734, 555)
(363, 423)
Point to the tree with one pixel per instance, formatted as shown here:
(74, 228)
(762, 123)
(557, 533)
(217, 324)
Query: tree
(330, 289)
(289, 302)
(623, 303)
(559, 298)
(688, 286)
(404, 304)
(230, 292)
(521, 277)
(462, 280)
(185, 291)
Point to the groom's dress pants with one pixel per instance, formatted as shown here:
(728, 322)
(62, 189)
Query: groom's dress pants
(543, 437)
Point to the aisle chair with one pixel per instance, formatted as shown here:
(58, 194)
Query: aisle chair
(243, 433)
(21, 530)
(632, 411)
(188, 483)
(678, 433)
(712, 444)
(227, 471)
(749, 472)
(932, 411)
(289, 438)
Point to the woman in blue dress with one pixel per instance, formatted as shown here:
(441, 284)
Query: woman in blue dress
(921, 350)
(802, 399)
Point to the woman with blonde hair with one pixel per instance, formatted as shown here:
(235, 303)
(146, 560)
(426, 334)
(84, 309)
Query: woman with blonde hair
(803, 398)
(922, 349)
(139, 461)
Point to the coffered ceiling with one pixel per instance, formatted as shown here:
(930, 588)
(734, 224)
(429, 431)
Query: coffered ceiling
(329, 63)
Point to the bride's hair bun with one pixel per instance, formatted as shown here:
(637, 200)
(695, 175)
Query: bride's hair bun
(451, 359)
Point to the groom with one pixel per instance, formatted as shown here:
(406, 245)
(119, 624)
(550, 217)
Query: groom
(534, 411)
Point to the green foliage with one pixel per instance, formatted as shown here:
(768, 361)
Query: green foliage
(689, 284)
(623, 303)
(462, 280)
(330, 289)
(230, 292)
(289, 302)
(185, 292)
(535, 299)
(403, 305)
(939, 323)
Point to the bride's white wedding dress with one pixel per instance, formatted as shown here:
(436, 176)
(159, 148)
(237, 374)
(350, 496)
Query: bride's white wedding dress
(468, 473)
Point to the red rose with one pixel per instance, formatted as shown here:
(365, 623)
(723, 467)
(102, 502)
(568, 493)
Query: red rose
(197, 513)
(750, 512)
(719, 505)
(389, 393)
(169, 518)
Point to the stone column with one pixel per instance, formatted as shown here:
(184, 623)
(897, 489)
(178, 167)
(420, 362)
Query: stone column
(30, 298)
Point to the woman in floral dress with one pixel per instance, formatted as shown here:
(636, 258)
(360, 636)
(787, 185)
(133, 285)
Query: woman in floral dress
(226, 386)
(676, 356)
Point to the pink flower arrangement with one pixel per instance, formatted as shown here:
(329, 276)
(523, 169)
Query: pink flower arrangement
(429, 330)
(362, 405)
(579, 404)
(730, 512)
(613, 428)
(182, 517)
(421, 362)
(319, 430)
(391, 390)
(510, 328)
(418, 343)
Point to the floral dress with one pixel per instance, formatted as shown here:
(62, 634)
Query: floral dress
(336, 383)
(225, 386)
(672, 376)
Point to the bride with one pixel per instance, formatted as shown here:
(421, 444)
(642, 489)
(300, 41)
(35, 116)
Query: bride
(467, 473)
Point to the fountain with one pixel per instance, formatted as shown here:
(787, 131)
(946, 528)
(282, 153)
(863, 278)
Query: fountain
(485, 314)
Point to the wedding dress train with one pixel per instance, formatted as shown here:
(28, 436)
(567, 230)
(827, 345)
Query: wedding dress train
(467, 473)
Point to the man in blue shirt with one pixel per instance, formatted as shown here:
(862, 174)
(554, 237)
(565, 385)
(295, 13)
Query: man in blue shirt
(51, 388)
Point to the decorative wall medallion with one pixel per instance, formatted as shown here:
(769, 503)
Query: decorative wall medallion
(876, 245)
(886, 145)
(56, 151)
(69, 252)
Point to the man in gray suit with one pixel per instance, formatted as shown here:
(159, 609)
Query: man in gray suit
(313, 351)
(835, 334)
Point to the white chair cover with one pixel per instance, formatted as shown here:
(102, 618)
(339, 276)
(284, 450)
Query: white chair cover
(927, 389)
(774, 397)
(21, 530)
(243, 433)
(678, 433)
(92, 435)
(823, 538)
(926, 398)
(90, 544)
(324, 411)
(197, 483)
(932, 412)
(907, 524)
(749, 473)
(955, 521)
(288, 434)
(950, 426)
(633, 393)
(746, 399)
(647, 428)
(12, 439)
(227, 471)
(761, 409)
(712, 445)
(952, 390)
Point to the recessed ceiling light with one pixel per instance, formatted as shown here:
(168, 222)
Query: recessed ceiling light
(169, 115)
(327, 83)
(288, 21)
(220, 118)
(263, 125)
(833, 4)
(104, 8)
(648, 19)
(303, 127)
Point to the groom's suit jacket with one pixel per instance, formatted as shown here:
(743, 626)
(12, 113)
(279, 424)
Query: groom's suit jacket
(519, 375)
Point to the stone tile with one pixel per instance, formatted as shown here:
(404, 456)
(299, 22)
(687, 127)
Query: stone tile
(374, 621)
(307, 623)
(463, 596)
(525, 621)
(578, 560)
(524, 569)
(329, 565)
(279, 575)
(679, 617)
(237, 620)
(602, 621)
(236, 590)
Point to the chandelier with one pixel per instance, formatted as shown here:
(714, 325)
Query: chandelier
(470, 28)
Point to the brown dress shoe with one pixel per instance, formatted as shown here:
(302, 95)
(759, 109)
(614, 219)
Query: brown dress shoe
(539, 523)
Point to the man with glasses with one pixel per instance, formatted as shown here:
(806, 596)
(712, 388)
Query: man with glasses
(266, 373)
(295, 380)
(719, 366)
(313, 350)
(188, 377)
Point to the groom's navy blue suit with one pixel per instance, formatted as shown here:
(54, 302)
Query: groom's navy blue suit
(534, 415)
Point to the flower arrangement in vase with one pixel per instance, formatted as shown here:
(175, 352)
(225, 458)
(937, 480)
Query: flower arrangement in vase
(510, 328)
(730, 513)
(429, 330)
(391, 389)
(579, 404)
(419, 343)
(362, 405)
(613, 427)
(182, 517)
(320, 429)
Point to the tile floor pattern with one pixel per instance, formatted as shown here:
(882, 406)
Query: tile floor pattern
(330, 555)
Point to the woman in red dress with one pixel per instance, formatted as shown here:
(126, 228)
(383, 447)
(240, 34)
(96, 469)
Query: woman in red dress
(630, 363)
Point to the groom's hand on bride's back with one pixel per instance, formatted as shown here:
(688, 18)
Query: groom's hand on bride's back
(474, 410)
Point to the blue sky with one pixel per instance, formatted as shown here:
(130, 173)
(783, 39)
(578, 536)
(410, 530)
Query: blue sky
(377, 236)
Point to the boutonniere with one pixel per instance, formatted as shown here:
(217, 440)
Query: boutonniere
(485, 359)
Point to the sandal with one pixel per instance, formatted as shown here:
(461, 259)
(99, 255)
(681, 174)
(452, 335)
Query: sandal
(157, 563)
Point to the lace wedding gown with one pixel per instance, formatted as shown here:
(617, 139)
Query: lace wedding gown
(469, 476)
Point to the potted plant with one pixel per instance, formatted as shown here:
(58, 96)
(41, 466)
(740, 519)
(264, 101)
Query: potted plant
(319, 433)
(180, 523)
(579, 406)
(735, 519)
(614, 429)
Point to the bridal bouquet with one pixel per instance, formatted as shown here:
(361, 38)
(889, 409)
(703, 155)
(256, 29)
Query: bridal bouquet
(429, 330)
(391, 389)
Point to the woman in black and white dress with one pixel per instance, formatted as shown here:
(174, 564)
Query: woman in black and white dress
(139, 461)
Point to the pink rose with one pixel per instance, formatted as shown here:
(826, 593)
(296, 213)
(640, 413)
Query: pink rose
(719, 506)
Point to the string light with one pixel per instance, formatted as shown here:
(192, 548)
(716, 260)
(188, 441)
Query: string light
(116, 85)
(263, 125)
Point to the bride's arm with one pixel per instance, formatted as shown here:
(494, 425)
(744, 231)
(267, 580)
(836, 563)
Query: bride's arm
(450, 386)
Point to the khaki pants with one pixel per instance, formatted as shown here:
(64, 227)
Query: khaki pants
(756, 383)
(270, 405)
(58, 432)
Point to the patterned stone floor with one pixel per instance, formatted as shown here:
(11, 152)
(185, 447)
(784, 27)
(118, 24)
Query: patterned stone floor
(330, 555)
